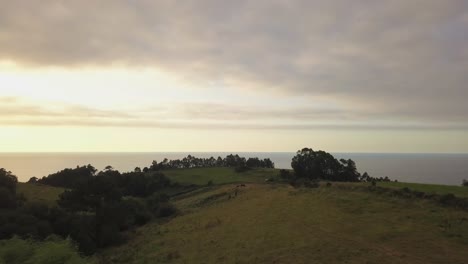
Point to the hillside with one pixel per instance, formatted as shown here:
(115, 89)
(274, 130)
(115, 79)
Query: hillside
(275, 223)
(278, 224)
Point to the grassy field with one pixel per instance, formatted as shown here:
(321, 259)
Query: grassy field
(278, 224)
(219, 175)
(36, 192)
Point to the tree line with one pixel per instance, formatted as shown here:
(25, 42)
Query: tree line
(190, 161)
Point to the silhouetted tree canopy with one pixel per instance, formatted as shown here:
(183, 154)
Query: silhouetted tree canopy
(194, 162)
(8, 180)
(315, 165)
(69, 178)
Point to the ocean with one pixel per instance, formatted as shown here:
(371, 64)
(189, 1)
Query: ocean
(449, 169)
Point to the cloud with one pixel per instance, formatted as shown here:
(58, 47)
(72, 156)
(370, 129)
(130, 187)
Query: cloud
(389, 59)
(16, 108)
(17, 112)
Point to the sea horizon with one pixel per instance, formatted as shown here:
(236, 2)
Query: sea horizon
(430, 168)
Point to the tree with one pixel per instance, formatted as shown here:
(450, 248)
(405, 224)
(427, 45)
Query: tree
(108, 168)
(315, 164)
(365, 177)
(8, 180)
(33, 180)
(349, 170)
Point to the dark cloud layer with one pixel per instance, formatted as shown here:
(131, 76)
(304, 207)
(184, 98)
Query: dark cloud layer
(400, 59)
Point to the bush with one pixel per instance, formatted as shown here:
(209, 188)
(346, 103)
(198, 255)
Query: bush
(166, 209)
(52, 250)
(285, 174)
(137, 212)
(448, 199)
(109, 235)
(465, 183)
(159, 205)
(303, 182)
(242, 168)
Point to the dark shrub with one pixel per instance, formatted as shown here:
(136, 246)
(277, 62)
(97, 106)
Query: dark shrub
(109, 235)
(136, 212)
(285, 174)
(241, 168)
(447, 199)
(159, 205)
(166, 209)
(7, 198)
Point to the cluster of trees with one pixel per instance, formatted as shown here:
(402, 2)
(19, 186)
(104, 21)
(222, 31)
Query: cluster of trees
(67, 178)
(320, 165)
(94, 210)
(315, 165)
(190, 161)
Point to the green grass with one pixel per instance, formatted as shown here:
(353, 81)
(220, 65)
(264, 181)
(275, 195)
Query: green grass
(278, 224)
(39, 192)
(219, 175)
(52, 250)
(459, 191)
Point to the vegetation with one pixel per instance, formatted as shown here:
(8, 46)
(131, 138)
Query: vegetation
(93, 211)
(320, 165)
(7, 189)
(52, 250)
(218, 175)
(194, 162)
(68, 178)
(428, 188)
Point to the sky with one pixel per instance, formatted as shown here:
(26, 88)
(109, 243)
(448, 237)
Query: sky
(264, 75)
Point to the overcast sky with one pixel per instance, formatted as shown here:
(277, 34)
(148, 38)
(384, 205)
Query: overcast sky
(264, 75)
